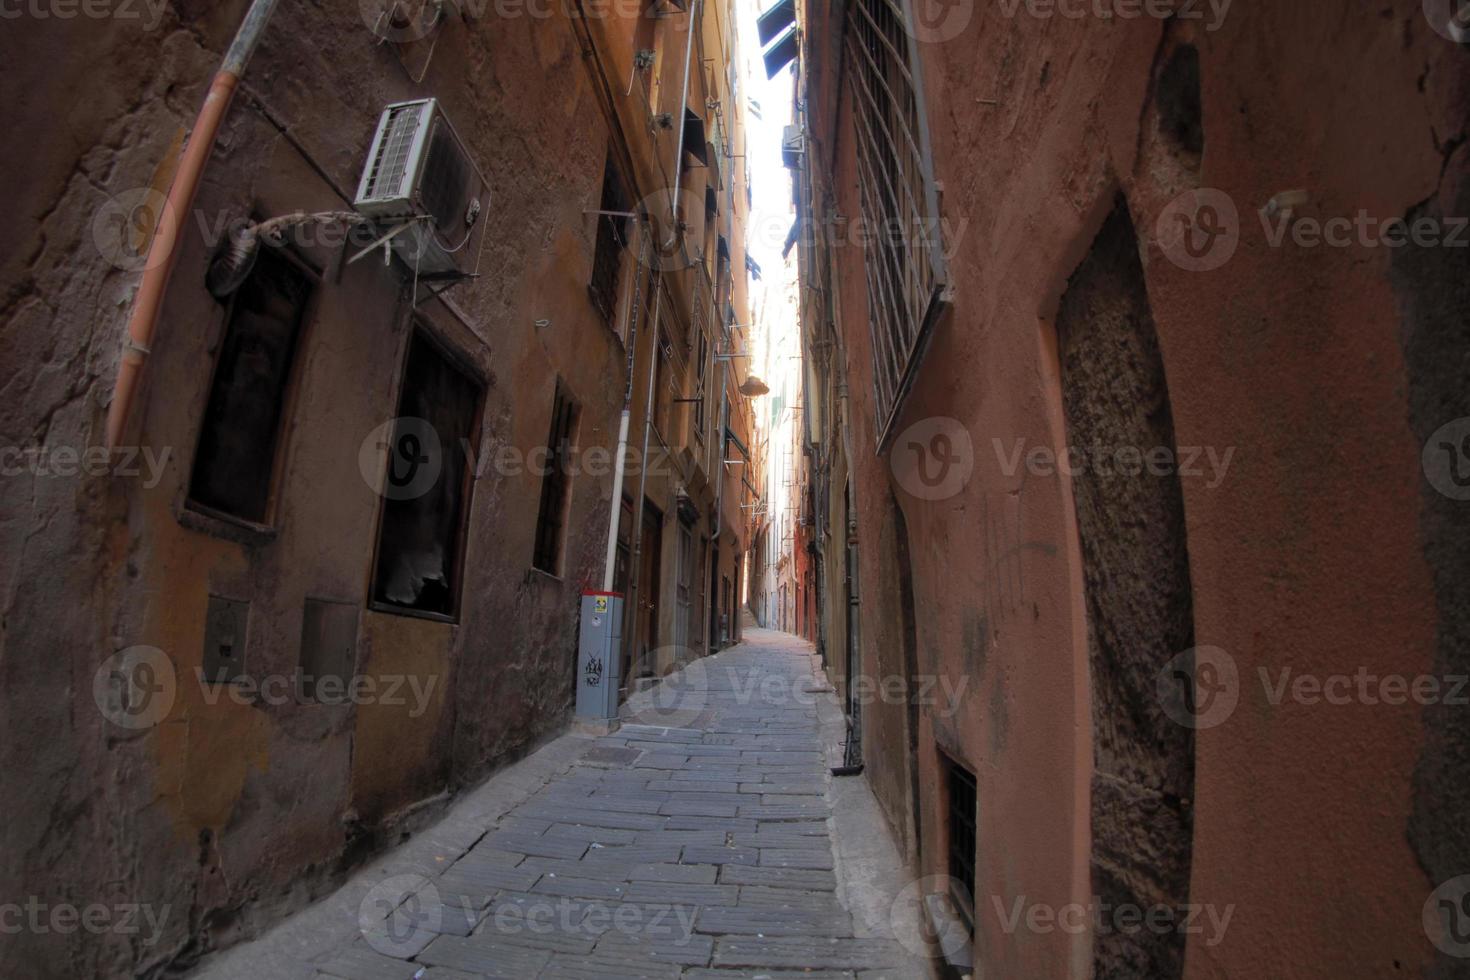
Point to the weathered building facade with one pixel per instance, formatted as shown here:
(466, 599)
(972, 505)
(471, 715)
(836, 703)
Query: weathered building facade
(1136, 339)
(327, 575)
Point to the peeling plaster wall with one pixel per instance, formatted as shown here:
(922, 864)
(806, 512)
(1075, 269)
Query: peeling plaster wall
(1322, 549)
(226, 815)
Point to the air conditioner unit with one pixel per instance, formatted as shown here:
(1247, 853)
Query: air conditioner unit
(421, 182)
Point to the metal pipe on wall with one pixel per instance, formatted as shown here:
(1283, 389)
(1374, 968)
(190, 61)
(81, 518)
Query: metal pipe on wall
(163, 250)
(635, 572)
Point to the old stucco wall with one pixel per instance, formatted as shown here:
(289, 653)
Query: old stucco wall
(1323, 369)
(228, 813)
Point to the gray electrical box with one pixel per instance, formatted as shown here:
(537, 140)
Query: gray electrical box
(224, 640)
(599, 655)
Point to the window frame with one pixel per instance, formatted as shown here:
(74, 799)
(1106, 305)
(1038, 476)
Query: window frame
(899, 342)
(420, 325)
(201, 516)
(562, 401)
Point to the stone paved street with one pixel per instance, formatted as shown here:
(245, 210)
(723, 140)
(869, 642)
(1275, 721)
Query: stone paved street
(695, 841)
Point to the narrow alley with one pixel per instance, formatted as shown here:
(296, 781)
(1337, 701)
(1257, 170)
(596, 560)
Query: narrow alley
(772, 489)
(696, 841)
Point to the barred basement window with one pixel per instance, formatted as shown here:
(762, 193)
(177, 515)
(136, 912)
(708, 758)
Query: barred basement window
(612, 231)
(555, 483)
(235, 461)
(962, 809)
(904, 252)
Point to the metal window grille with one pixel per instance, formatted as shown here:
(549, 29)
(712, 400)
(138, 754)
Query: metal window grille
(555, 483)
(611, 235)
(962, 810)
(906, 276)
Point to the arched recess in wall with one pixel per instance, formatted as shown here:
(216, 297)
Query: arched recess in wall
(1138, 600)
(909, 639)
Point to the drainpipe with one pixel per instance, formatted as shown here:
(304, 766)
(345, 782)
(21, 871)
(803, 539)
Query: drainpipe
(163, 250)
(637, 558)
(619, 463)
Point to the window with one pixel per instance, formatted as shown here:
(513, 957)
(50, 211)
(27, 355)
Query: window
(962, 809)
(555, 483)
(235, 462)
(903, 254)
(427, 491)
(611, 237)
(701, 396)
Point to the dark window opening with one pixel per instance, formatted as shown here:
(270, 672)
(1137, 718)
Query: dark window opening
(699, 386)
(962, 810)
(612, 230)
(427, 487)
(236, 457)
(555, 483)
(1180, 114)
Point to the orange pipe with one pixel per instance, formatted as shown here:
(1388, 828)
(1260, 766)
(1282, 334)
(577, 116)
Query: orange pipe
(163, 249)
(163, 253)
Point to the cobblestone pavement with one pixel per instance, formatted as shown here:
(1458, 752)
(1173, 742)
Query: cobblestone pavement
(694, 841)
